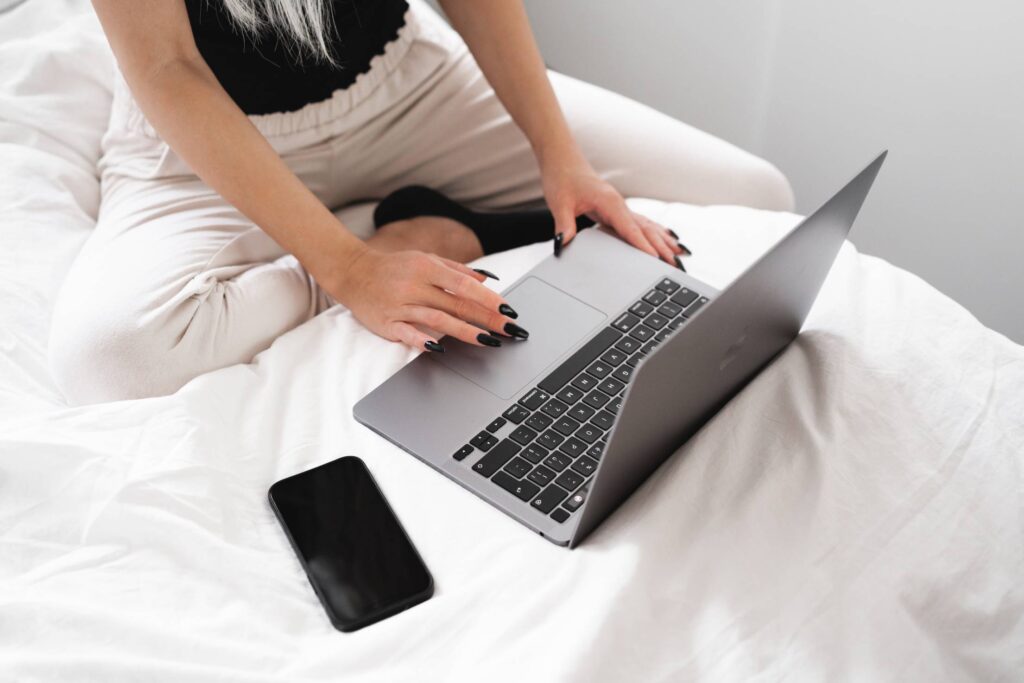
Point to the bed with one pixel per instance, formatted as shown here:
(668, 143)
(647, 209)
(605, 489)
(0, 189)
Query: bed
(856, 513)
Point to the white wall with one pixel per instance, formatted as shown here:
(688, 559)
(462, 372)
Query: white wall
(819, 87)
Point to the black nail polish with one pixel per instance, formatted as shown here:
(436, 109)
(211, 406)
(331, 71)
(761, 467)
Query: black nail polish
(505, 309)
(516, 331)
(558, 244)
(486, 273)
(685, 248)
(679, 264)
(433, 346)
(673, 233)
(488, 340)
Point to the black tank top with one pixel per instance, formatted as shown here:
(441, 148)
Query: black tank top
(264, 77)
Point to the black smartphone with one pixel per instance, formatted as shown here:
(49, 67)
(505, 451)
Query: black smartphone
(361, 563)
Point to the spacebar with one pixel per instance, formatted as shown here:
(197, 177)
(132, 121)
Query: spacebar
(579, 360)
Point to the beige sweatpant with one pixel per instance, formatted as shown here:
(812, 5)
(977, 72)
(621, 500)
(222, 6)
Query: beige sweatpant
(176, 282)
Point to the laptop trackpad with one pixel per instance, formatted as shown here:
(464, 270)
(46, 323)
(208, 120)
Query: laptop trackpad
(556, 322)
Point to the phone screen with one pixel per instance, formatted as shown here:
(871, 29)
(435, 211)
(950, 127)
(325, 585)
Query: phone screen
(356, 554)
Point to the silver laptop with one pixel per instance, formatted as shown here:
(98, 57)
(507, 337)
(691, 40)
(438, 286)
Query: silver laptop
(627, 358)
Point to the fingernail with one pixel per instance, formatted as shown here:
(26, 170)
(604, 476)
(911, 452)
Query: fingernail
(433, 346)
(684, 248)
(516, 331)
(679, 263)
(673, 233)
(488, 340)
(486, 273)
(505, 309)
(558, 244)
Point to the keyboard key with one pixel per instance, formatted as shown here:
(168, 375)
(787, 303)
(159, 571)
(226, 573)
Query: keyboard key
(656, 320)
(614, 356)
(569, 480)
(497, 424)
(655, 297)
(615, 405)
(541, 475)
(575, 500)
(518, 467)
(559, 515)
(558, 461)
(648, 347)
(584, 466)
(573, 365)
(604, 420)
(483, 441)
(539, 422)
(549, 498)
(599, 368)
(670, 309)
(641, 308)
(550, 439)
(684, 297)
(625, 322)
(627, 344)
(662, 336)
(534, 453)
(523, 490)
(633, 361)
(535, 399)
(597, 450)
(695, 307)
(611, 386)
(554, 408)
(642, 332)
(584, 382)
(623, 373)
(573, 447)
(581, 412)
(496, 459)
(676, 323)
(566, 425)
(596, 399)
(569, 394)
(522, 435)
(668, 286)
(588, 433)
(463, 452)
(516, 414)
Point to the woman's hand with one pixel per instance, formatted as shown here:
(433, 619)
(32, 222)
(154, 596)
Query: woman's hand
(399, 294)
(572, 188)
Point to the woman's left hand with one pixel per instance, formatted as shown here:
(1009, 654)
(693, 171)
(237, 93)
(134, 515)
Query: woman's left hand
(573, 189)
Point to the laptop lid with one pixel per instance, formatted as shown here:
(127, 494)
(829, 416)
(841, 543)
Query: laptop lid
(682, 384)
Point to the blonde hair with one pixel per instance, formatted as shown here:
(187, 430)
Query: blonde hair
(302, 24)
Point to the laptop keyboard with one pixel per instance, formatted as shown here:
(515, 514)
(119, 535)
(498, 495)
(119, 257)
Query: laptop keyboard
(556, 432)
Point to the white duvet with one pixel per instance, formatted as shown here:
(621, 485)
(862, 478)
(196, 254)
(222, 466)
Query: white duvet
(856, 513)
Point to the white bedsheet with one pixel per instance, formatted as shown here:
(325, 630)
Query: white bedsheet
(855, 513)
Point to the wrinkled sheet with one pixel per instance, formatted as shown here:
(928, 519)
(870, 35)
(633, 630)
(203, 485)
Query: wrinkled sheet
(855, 513)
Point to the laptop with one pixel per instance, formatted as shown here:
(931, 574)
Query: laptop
(627, 358)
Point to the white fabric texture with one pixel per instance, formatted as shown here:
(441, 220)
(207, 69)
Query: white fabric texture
(856, 513)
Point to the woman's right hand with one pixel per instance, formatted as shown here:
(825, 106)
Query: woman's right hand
(398, 294)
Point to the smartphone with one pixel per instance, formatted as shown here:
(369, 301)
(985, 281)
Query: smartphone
(356, 554)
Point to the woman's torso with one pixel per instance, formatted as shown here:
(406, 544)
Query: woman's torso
(265, 76)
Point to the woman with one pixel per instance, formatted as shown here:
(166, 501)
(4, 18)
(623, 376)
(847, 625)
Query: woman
(240, 124)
